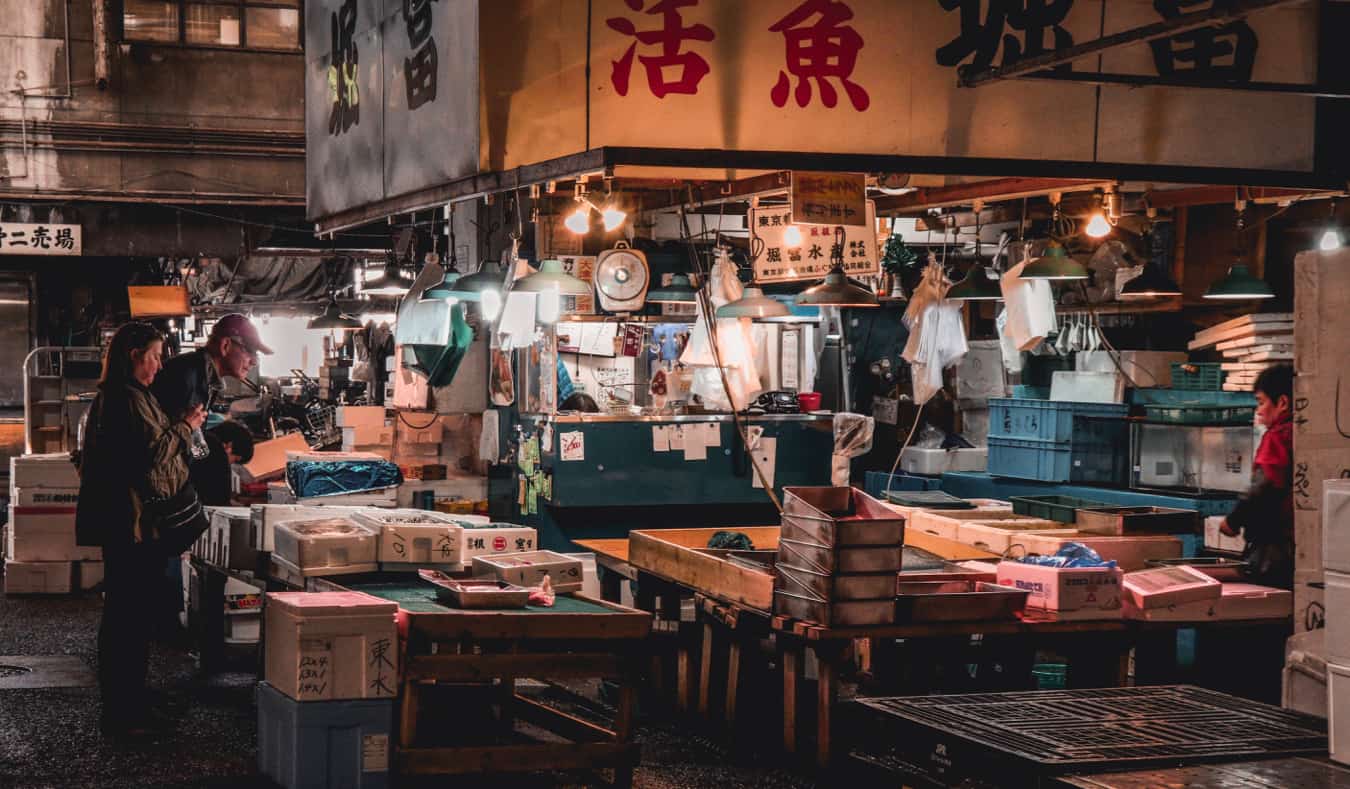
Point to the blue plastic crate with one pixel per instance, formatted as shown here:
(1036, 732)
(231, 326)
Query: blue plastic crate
(320, 744)
(1050, 420)
(1088, 462)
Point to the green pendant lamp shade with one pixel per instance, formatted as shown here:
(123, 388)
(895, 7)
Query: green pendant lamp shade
(1054, 264)
(754, 304)
(551, 276)
(1151, 284)
(980, 284)
(447, 288)
(679, 291)
(333, 319)
(837, 290)
(1239, 284)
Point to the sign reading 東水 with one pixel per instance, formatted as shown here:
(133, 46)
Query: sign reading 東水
(808, 253)
(38, 238)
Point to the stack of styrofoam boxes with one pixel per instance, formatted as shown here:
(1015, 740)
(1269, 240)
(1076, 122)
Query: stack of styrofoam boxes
(417, 441)
(979, 376)
(480, 537)
(331, 676)
(334, 374)
(41, 556)
(225, 544)
(365, 429)
(415, 539)
(1336, 574)
(325, 546)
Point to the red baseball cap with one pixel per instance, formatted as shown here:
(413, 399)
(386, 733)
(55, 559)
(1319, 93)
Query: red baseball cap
(236, 325)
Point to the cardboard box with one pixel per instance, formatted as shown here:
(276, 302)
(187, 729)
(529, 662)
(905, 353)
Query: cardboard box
(269, 457)
(88, 575)
(327, 546)
(363, 435)
(53, 470)
(483, 539)
(418, 427)
(38, 577)
(1251, 601)
(360, 416)
(1129, 553)
(1165, 587)
(529, 569)
(323, 646)
(1066, 593)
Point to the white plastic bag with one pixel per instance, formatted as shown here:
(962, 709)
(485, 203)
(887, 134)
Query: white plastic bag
(1031, 308)
(937, 340)
(852, 438)
(735, 343)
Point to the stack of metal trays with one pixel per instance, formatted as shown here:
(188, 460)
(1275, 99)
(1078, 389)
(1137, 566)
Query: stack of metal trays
(838, 556)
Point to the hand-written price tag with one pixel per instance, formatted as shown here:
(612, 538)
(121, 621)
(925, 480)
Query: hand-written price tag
(313, 680)
(573, 445)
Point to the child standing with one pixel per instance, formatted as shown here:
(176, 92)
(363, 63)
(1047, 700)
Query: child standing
(1266, 516)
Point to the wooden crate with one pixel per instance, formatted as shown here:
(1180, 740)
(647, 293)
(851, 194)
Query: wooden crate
(676, 555)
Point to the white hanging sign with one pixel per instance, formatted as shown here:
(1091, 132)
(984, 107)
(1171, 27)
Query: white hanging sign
(38, 238)
(805, 254)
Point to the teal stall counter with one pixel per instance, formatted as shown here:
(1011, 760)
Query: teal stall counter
(976, 484)
(608, 461)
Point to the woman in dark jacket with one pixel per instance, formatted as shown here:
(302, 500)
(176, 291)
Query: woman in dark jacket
(137, 504)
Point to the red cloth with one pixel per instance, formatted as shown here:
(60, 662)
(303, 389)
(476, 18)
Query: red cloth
(1275, 456)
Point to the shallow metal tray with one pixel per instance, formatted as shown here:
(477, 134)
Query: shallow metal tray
(956, 601)
(476, 593)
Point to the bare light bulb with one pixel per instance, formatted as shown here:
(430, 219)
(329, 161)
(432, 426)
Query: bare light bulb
(792, 237)
(1331, 239)
(1098, 227)
(490, 303)
(613, 219)
(579, 221)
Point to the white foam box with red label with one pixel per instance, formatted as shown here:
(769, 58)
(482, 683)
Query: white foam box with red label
(43, 471)
(1001, 535)
(945, 523)
(481, 538)
(327, 546)
(1129, 553)
(1170, 593)
(1066, 592)
(411, 539)
(529, 569)
(263, 519)
(324, 646)
(45, 534)
(38, 577)
(243, 611)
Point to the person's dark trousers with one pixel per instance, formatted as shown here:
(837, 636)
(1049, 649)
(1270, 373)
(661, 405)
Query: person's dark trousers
(133, 576)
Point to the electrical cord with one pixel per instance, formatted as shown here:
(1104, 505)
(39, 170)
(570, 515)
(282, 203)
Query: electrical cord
(890, 478)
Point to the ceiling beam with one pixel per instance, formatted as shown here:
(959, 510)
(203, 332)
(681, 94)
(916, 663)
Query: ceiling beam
(1218, 13)
(1215, 195)
(1154, 81)
(993, 190)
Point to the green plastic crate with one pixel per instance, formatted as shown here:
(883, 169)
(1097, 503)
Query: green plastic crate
(1199, 415)
(1063, 509)
(1197, 375)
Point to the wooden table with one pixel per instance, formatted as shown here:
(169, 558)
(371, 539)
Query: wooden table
(612, 556)
(579, 638)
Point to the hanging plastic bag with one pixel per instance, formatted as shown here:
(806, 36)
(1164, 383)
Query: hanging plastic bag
(852, 438)
(936, 341)
(1012, 357)
(735, 345)
(1030, 306)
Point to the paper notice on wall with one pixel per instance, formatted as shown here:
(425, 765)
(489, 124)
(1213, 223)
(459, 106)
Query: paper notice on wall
(712, 434)
(660, 439)
(572, 445)
(375, 753)
(675, 435)
(765, 457)
(546, 439)
(313, 678)
(694, 448)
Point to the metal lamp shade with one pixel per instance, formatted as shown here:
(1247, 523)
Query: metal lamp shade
(977, 286)
(679, 291)
(489, 277)
(837, 290)
(392, 281)
(1239, 284)
(754, 304)
(1054, 264)
(551, 276)
(447, 288)
(1150, 284)
(333, 319)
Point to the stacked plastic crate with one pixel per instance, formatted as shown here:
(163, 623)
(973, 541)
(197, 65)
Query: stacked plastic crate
(1058, 441)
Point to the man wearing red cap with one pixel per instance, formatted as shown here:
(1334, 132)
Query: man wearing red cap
(194, 378)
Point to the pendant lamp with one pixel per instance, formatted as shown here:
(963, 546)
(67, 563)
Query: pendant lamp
(979, 284)
(1054, 264)
(679, 291)
(393, 281)
(1239, 284)
(1152, 283)
(551, 276)
(333, 319)
(837, 290)
(754, 304)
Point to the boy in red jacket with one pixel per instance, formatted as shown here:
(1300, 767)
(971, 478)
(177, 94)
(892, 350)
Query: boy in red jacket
(1266, 516)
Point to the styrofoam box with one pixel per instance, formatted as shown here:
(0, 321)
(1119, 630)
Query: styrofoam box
(1216, 540)
(1252, 601)
(364, 435)
(1087, 387)
(302, 745)
(323, 646)
(1066, 592)
(946, 523)
(919, 460)
(1129, 553)
(493, 539)
(1336, 525)
(60, 498)
(1304, 686)
(35, 535)
(1212, 458)
(1163, 587)
(225, 543)
(88, 575)
(529, 569)
(1194, 611)
(43, 471)
(1337, 590)
(1338, 707)
(1146, 368)
(243, 629)
(263, 519)
(326, 545)
(386, 497)
(998, 536)
(975, 426)
(420, 545)
(37, 577)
